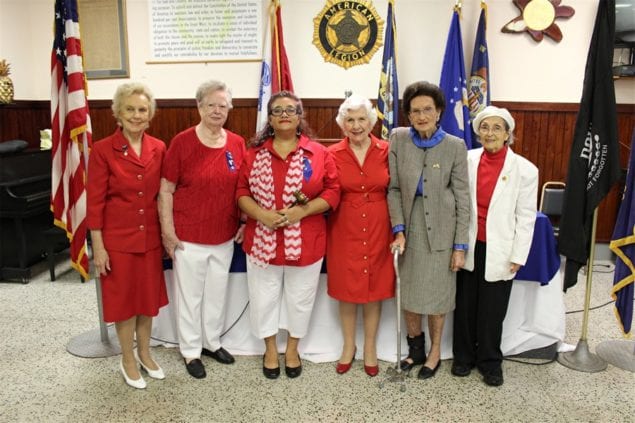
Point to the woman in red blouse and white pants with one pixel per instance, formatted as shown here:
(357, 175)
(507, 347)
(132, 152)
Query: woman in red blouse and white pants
(123, 183)
(200, 222)
(285, 237)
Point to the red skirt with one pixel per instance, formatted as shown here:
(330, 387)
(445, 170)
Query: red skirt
(134, 286)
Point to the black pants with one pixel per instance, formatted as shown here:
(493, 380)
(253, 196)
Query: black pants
(478, 319)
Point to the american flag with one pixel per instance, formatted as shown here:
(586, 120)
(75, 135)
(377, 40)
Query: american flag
(72, 138)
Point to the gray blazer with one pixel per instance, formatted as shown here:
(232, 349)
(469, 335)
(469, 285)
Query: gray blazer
(446, 198)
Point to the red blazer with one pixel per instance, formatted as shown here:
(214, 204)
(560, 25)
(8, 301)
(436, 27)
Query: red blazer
(122, 193)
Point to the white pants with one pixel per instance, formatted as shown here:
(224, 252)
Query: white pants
(277, 288)
(201, 273)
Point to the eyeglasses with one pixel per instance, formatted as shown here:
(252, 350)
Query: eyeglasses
(496, 129)
(290, 111)
(213, 106)
(427, 111)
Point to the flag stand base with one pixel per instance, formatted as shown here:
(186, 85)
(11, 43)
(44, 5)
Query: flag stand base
(618, 353)
(93, 344)
(581, 359)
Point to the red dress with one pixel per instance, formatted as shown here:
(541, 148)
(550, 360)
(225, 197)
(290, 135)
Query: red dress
(122, 202)
(358, 258)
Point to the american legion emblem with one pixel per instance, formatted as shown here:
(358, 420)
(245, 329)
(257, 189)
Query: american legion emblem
(347, 33)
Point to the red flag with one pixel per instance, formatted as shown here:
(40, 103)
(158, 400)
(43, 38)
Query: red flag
(281, 73)
(72, 138)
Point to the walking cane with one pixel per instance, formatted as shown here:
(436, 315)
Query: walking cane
(395, 374)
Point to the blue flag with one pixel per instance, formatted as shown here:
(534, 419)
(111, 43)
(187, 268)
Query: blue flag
(623, 245)
(478, 95)
(456, 117)
(388, 98)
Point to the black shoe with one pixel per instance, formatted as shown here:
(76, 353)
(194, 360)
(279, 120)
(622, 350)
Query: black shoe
(221, 355)
(426, 372)
(270, 373)
(461, 370)
(195, 368)
(293, 372)
(493, 378)
(416, 352)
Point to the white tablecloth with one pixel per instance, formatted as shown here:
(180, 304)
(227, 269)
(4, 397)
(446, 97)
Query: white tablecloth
(535, 319)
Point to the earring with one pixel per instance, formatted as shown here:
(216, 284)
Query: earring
(298, 131)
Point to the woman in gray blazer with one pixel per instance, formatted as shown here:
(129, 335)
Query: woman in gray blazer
(429, 206)
(503, 191)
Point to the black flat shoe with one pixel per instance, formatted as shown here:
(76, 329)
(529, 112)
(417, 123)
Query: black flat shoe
(426, 372)
(493, 378)
(406, 366)
(461, 370)
(293, 372)
(270, 373)
(195, 368)
(221, 355)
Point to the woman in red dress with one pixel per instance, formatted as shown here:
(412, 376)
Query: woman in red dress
(123, 183)
(358, 259)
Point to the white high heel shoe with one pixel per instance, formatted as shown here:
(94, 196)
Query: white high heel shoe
(137, 383)
(154, 374)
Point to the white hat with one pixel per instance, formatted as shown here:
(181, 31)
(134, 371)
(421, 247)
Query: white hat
(490, 111)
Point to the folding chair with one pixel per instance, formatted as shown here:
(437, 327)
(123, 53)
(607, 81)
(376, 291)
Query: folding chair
(551, 200)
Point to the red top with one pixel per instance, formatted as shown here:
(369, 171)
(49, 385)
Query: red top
(318, 181)
(358, 258)
(489, 169)
(122, 193)
(204, 205)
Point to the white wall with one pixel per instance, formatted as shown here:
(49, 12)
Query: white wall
(521, 69)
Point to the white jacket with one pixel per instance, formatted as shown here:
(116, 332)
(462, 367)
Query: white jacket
(510, 218)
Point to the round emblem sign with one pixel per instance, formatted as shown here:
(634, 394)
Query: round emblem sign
(347, 33)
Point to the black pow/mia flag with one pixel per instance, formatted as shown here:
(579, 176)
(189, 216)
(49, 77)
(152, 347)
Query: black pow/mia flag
(594, 161)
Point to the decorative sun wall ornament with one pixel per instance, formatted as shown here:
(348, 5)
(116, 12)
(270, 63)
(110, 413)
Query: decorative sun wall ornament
(538, 18)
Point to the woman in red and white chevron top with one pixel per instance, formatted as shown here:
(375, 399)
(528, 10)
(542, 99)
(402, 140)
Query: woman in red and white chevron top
(286, 183)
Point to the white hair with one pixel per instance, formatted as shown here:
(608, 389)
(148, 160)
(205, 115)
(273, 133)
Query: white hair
(356, 102)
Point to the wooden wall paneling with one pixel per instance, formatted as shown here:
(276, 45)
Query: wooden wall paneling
(551, 148)
(23, 120)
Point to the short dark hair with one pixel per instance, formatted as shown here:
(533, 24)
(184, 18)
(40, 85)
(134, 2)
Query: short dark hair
(419, 88)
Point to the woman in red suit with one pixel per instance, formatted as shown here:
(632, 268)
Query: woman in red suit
(358, 259)
(123, 183)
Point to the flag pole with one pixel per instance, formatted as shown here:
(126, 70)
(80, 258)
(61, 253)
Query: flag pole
(96, 343)
(581, 358)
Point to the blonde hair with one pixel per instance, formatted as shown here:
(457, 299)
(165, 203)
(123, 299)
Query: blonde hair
(126, 90)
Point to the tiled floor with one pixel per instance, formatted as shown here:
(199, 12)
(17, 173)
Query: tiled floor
(41, 381)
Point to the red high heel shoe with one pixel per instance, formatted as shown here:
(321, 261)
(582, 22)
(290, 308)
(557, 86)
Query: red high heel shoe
(371, 371)
(342, 368)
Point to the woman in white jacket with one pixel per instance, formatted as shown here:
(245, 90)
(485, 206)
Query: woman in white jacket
(503, 192)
